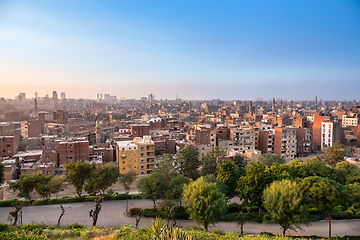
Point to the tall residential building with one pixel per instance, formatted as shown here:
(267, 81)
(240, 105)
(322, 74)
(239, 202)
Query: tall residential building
(285, 142)
(303, 142)
(138, 154)
(330, 133)
(243, 138)
(266, 141)
(63, 95)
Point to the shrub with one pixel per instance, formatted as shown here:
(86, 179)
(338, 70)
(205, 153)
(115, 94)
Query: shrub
(180, 213)
(75, 226)
(153, 213)
(4, 227)
(7, 203)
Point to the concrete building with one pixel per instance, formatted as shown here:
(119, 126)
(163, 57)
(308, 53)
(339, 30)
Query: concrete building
(243, 138)
(7, 146)
(138, 154)
(285, 142)
(350, 120)
(330, 133)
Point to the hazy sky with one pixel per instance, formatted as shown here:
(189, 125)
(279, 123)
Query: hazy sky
(206, 49)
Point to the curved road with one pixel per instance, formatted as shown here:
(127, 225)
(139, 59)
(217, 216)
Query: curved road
(112, 215)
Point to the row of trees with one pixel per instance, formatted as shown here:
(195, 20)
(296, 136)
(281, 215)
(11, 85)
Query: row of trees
(81, 175)
(285, 191)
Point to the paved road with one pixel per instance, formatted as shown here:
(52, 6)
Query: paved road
(112, 215)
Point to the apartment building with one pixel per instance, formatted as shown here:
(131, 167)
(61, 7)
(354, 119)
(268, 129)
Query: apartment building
(138, 154)
(7, 146)
(285, 142)
(243, 138)
(350, 121)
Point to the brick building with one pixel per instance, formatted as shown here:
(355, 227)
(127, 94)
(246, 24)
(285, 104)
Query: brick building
(140, 130)
(7, 146)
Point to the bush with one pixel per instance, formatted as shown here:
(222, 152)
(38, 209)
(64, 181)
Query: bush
(180, 213)
(233, 208)
(153, 213)
(76, 226)
(4, 227)
(42, 202)
(7, 203)
(230, 217)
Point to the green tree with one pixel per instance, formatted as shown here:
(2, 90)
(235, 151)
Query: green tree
(209, 161)
(349, 170)
(204, 201)
(228, 173)
(153, 186)
(56, 184)
(78, 173)
(42, 184)
(25, 184)
(252, 185)
(128, 178)
(333, 154)
(269, 160)
(103, 177)
(188, 162)
(176, 187)
(168, 167)
(284, 203)
(2, 175)
(326, 194)
(240, 163)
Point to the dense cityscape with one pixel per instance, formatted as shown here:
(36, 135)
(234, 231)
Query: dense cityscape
(191, 120)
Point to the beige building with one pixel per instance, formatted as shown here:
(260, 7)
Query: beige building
(138, 154)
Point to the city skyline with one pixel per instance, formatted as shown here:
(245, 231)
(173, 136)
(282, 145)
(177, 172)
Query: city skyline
(198, 50)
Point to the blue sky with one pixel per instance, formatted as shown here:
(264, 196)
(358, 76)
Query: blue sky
(199, 49)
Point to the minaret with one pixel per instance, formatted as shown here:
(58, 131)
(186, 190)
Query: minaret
(36, 106)
(273, 105)
(98, 132)
(250, 108)
(315, 102)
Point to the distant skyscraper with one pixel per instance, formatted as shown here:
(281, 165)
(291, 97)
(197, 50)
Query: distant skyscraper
(63, 95)
(54, 95)
(23, 96)
(36, 95)
(151, 97)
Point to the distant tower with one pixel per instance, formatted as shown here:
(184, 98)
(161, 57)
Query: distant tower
(250, 108)
(315, 102)
(273, 105)
(98, 132)
(281, 106)
(36, 106)
(63, 95)
(36, 95)
(291, 105)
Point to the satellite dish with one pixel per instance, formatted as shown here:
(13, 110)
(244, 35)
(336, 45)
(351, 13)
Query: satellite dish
(123, 155)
